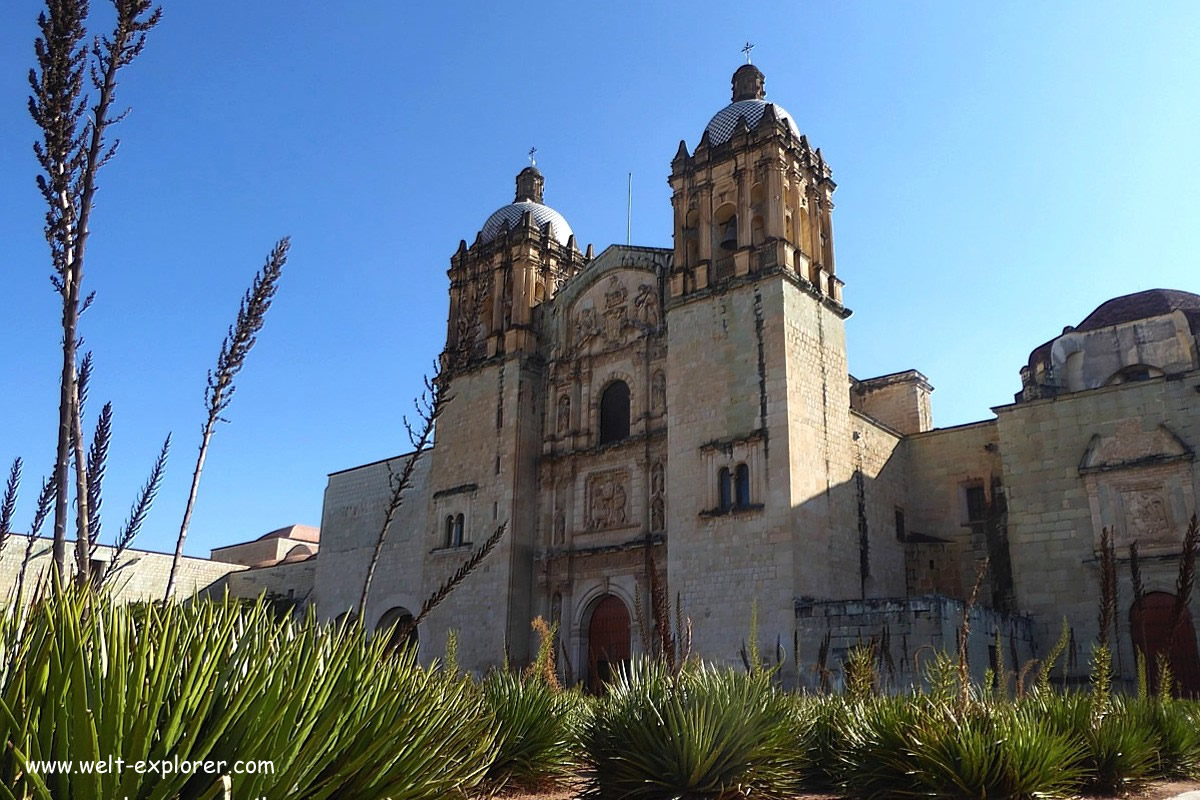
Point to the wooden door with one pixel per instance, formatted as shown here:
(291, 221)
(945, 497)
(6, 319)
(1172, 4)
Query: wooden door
(1150, 626)
(608, 641)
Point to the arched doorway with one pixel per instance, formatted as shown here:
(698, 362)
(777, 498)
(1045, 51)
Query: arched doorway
(1150, 627)
(393, 620)
(608, 641)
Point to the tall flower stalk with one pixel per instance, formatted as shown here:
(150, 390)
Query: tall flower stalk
(219, 393)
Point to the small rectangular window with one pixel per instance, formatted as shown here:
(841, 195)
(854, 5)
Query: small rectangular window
(900, 534)
(977, 505)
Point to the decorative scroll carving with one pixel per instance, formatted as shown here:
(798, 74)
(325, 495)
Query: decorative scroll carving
(616, 294)
(608, 501)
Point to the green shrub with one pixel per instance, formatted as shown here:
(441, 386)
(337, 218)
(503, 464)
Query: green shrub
(537, 730)
(706, 733)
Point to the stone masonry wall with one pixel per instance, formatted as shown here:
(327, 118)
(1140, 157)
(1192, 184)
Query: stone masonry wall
(1055, 512)
(942, 464)
(354, 505)
(902, 628)
(142, 575)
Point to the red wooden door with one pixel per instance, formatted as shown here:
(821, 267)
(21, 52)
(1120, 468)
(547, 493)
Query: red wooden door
(608, 641)
(1150, 626)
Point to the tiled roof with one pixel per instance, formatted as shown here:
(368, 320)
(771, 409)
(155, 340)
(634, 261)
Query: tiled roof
(721, 127)
(510, 215)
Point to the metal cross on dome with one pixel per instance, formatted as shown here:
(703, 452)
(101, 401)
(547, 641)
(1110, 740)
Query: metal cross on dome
(532, 153)
(747, 50)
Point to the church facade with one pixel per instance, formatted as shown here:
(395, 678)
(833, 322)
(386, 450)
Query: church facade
(690, 410)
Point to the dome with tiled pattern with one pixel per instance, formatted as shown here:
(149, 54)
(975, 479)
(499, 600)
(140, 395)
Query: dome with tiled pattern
(510, 216)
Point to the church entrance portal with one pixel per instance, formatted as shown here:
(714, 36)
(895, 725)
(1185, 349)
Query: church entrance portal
(608, 641)
(1150, 626)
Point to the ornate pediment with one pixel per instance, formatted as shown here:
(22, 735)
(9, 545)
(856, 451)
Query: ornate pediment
(1130, 447)
(623, 307)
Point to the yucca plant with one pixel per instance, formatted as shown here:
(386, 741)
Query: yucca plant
(706, 733)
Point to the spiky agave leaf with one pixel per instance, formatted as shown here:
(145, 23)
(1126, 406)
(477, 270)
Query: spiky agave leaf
(704, 732)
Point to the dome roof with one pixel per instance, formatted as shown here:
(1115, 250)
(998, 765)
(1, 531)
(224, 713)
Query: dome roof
(1141, 305)
(510, 216)
(1130, 308)
(721, 127)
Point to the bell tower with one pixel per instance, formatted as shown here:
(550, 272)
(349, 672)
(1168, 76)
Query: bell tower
(753, 198)
(755, 324)
(522, 254)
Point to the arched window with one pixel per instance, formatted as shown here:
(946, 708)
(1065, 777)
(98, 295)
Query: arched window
(458, 531)
(450, 531)
(741, 480)
(394, 623)
(724, 493)
(1135, 372)
(614, 413)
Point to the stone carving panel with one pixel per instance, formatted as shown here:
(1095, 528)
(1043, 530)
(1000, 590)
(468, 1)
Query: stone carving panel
(1146, 518)
(610, 313)
(560, 529)
(1139, 485)
(658, 392)
(608, 500)
(563, 421)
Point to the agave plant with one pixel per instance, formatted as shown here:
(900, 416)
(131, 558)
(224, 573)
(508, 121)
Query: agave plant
(1119, 747)
(536, 730)
(704, 733)
(83, 679)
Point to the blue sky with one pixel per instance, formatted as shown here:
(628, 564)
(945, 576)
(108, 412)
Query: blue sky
(1003, 168)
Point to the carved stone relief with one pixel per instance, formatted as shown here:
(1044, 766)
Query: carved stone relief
(560, 529)
(608, 501)
(1139, 486)
(657, 521)
(646, 303)
(1146, 518)
(564, 414)
(658, 393)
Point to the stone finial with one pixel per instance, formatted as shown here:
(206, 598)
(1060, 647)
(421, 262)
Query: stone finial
(529, 185)
(749, 83)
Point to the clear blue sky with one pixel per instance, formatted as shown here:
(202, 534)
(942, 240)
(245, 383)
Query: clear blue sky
(1003, 168)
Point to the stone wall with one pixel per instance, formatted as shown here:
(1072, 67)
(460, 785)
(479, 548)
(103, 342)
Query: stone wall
(141, 574)
(903, 628)
(292, 581)
(355, 500)
(900, 400)
(1120, 457)
(942, 465)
